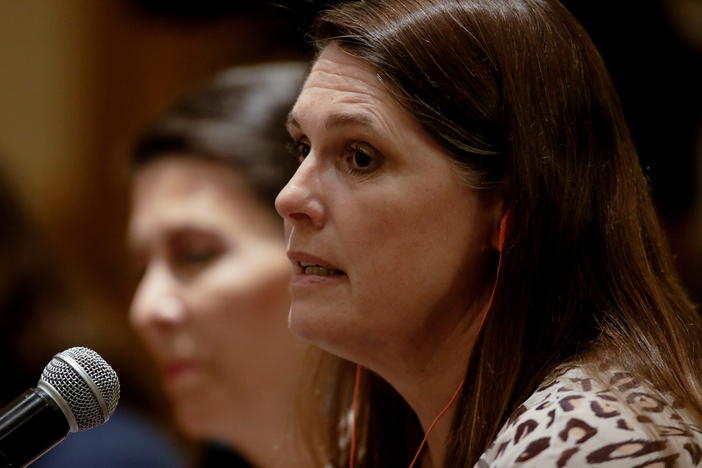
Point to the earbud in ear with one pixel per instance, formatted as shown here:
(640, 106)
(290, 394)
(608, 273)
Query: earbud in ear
(503, 231)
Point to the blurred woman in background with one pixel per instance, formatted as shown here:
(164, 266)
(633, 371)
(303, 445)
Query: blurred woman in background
(212, 300)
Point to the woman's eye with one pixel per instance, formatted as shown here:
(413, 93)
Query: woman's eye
(191, 251)
(299, 149)
(362, 159)
(196, 257)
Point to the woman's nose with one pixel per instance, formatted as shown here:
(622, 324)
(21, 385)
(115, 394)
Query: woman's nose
(301, 200)
(157, 302)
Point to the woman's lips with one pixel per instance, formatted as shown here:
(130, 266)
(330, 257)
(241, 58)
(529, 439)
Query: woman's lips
(311, 271)
(308, 264)
(176, 369)
(306, 268)
(313, 277)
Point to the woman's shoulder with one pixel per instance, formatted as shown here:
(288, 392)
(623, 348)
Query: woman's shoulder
(574, 419)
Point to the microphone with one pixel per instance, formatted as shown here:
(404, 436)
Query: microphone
(77, 390)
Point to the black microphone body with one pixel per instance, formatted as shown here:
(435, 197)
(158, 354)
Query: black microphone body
(30, 426)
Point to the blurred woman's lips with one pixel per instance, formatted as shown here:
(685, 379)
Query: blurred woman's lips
(177, 368)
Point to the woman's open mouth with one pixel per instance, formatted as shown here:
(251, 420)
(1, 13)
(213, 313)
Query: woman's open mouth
(307, 268)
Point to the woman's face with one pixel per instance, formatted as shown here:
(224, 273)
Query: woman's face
(390, 249)
(212, 299)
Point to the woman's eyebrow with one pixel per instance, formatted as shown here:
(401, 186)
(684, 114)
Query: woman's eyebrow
(291, 121)
(349, 119)
(337, 120)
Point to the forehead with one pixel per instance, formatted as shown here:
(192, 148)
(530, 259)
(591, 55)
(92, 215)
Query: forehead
(183, 177)
(339, 77)
(179, 190)
(344, 88)
(336, 67)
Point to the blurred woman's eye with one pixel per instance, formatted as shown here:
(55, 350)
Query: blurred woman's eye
(192, 251)
(361, 158)
(196, 256)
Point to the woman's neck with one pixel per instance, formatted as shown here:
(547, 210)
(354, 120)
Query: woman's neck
(256, 419)
(431, 397)
(268, 442)
(429, 380)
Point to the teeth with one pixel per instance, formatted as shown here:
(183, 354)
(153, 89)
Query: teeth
(314, 269)
(318, 270)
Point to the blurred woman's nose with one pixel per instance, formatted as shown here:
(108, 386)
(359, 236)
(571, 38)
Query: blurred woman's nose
(156, 302)
(300, 201)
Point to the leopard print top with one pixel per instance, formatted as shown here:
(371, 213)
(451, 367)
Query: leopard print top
(572, 421)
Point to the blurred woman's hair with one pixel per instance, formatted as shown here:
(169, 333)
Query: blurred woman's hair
(237, 118)
(517, 95)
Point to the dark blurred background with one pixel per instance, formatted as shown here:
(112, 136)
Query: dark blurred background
(79, 80)
(81, 77)
(653, 49)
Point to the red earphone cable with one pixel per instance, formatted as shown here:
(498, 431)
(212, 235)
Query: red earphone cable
(357, 383)
(354, 415)
(482, 322)
(436, 420)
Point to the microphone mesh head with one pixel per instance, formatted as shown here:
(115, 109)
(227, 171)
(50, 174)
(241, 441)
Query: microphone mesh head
(75, 389)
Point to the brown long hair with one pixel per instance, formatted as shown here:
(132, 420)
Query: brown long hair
(516, 93)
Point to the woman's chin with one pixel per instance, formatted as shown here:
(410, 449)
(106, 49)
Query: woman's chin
(306, 325)
(196, 422)
(319, 328)
(328, 333)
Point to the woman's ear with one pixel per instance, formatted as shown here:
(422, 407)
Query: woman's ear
(502, 234)
(499, 235)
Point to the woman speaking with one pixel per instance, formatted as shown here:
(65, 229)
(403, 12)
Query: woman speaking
(473, 238)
